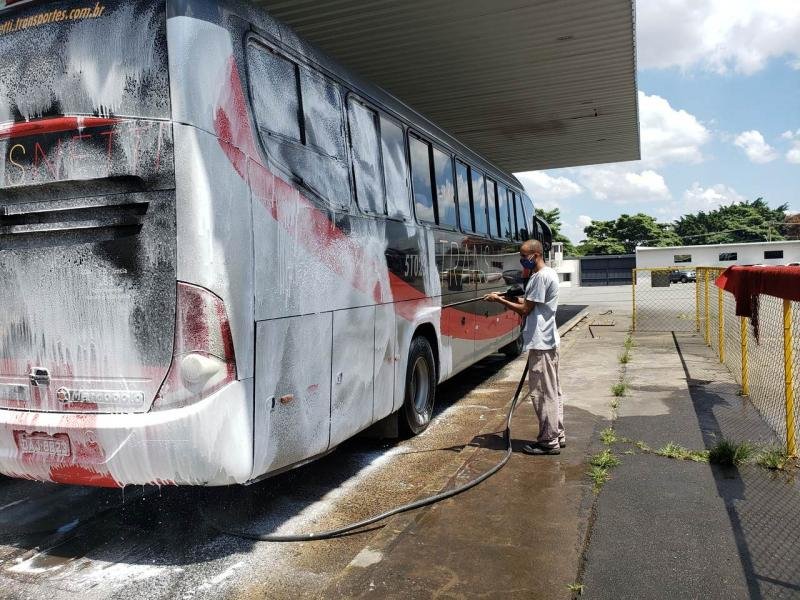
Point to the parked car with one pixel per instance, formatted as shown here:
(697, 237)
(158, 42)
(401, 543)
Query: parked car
(682, 276)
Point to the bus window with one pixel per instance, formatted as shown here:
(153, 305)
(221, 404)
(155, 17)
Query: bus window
(530, 216)
(366, 157)
(502, 211)
(308, 153)
(421, 179)
(275, 95)
(462, 184)
(395, 169)
(522, 228)
(479, 202)
(322, 109)
(491, 204)
(512, 209)
(445, 190)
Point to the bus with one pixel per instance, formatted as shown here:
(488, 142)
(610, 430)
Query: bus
(221, 253)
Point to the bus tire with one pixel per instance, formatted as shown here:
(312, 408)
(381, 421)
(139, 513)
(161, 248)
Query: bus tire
(514, 349)
(420, 390)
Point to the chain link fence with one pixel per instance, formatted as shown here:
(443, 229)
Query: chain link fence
(762, 352)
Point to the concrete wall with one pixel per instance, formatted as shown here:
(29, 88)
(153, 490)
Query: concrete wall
(709, 256)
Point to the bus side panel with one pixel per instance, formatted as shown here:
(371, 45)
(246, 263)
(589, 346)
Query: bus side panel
(385, 358)
(353, 358)
(215, 233)
(292, 397)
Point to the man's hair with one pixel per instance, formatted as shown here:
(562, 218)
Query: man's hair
(532, 246)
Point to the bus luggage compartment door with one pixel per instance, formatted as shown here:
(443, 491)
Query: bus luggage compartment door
(293, 378)
(353, 371)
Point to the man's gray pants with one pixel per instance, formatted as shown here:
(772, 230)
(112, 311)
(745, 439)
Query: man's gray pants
(545, 392)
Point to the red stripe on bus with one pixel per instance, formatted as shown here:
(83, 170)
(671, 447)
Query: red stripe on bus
(313, 228)
(55, 125)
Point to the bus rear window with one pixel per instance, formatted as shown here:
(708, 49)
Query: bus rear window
(105, 58)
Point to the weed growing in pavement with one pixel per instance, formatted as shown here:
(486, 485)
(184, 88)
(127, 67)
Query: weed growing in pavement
(625, 358)
(599, 475)
(619, 389)
(604, 459)
(615, 404)
(678, 452)
(775, 459)
(728, 454)
(629, 343)
(608, 436)
(642, 446)
(629, 452)
(576, 589)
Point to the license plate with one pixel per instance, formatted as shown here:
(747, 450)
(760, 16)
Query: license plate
(42, 444)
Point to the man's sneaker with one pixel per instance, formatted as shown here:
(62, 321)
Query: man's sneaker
(538, 450)
(562, 443)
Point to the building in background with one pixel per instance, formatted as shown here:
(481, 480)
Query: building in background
(719, 255)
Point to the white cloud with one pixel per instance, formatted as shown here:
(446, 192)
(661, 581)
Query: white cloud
(669, 135)
(620, 184)
(698, 198)
(574, 231)
(717, 35)
(548, 191)
(755, 147)
(793, 154)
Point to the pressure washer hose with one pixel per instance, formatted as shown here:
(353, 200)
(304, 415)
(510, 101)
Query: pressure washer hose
(353, 527)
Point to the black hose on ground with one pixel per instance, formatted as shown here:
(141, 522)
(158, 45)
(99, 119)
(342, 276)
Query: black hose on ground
(355, 527)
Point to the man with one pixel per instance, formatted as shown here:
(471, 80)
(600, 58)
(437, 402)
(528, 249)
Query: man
(540, 338)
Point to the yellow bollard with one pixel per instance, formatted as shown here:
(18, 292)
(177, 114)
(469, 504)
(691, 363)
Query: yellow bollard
(633, 292)
(745, 374)
(721, 323)
(708, 312)
(788, 366)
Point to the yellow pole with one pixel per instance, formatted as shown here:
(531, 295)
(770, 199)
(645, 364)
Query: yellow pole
(721, 323)
(697, 300)
(745, 374)
(788, 366)
(708, 312)
(633, 292)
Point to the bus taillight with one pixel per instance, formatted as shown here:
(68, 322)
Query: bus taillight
(203, 359)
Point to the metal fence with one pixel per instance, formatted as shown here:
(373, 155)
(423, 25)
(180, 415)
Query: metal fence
(762, 353)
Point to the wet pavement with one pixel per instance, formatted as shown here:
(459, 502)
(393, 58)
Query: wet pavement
(62, 541)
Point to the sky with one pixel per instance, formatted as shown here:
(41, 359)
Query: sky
(719, 117)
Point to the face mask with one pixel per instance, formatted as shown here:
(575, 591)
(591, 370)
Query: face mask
(527, 263)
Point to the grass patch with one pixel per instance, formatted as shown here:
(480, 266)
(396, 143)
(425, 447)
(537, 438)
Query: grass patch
(642, 446)
(608, 436)
(775, 459)
(629, 343)
(619, 389)
(575, 588)
(604, 460)
(678, 452)
(625, 358)
(599, 475)
(615, 404)
(728, 454)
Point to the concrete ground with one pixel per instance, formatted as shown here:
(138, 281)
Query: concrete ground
(660, 528)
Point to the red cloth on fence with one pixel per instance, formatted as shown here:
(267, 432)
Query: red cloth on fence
(746, 283)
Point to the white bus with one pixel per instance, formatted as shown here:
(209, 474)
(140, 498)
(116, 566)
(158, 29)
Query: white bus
(221, 254)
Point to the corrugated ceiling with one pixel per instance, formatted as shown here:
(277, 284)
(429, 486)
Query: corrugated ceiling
(530, 84)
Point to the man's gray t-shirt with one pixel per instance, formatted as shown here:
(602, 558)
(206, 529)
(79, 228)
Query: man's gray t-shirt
(540, 332)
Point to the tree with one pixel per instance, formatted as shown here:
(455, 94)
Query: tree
(622, 235)
(740, 222)
(553, 219)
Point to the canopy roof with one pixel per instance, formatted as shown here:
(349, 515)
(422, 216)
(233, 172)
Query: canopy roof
(529, 84)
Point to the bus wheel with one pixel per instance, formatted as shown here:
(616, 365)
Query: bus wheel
(514, 349)
(420, 388)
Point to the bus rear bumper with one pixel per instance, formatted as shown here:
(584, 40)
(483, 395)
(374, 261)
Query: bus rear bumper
(207, 443)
